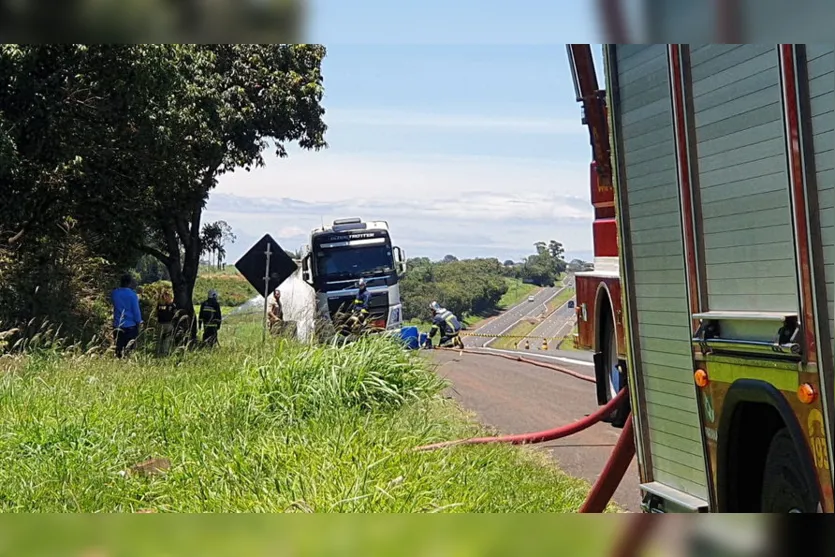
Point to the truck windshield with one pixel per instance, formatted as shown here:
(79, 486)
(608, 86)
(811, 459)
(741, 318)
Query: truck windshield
(357, 261)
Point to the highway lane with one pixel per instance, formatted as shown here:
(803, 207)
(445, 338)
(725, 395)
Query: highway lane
(509, 318)
(555, 326)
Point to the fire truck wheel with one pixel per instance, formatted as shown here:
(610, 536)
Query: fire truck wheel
(614, 379)
(784, 486)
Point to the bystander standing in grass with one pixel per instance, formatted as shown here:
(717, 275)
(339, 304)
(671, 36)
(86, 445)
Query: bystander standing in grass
(127, 318)
(274, 312)
(166, 311)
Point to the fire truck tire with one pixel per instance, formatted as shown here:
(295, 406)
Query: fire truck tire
(614, 379)
(784, 488)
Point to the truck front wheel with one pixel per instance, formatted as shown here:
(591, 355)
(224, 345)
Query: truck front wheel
(612, 377)
(785, 489)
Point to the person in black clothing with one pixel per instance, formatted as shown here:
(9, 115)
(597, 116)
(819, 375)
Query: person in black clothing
(210, 318)
(166, 311)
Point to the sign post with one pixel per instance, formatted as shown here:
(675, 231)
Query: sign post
(265, 275)
(266, 292)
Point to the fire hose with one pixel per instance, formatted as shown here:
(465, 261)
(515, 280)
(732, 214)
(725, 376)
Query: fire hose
(614, 470)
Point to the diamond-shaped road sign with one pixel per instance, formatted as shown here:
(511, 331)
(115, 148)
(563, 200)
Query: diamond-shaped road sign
(278, 265)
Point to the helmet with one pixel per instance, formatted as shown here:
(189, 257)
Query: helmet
(213, 294)
(435, 306)
(361, 283)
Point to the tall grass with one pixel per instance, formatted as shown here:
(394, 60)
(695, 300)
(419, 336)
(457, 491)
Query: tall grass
(250, 427)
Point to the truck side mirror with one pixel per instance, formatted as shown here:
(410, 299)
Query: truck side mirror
(306, 274)
(400, 260)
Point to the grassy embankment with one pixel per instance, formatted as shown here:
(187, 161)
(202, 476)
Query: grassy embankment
(251, 427)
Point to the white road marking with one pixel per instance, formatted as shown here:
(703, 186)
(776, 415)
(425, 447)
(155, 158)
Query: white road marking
(556, 358)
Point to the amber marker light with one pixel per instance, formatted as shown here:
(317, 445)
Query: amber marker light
(806, 393)
(701, 378)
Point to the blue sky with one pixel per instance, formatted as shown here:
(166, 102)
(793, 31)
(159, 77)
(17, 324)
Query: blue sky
(460, 130)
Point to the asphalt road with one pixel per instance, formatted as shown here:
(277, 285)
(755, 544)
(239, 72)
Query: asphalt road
(555, 326)
(515, 397)
(506, 320)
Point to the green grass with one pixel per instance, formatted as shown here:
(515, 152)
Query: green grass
(567, 343)
(517, 291)
(558, 300)
(251, 427)
(372, 536)
(232, 288)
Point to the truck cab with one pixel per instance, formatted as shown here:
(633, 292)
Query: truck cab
(339, 255)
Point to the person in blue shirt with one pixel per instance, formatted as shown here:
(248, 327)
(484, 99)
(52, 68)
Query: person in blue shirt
(126, 315)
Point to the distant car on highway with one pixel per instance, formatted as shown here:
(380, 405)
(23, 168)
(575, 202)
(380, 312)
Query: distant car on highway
(531, 298)
(570, 304)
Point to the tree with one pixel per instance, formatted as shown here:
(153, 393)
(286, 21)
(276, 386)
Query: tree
(112, 150)
(555, 249)
(509, 263)
(546, 265)
(76, 138)
(237, 100)
(449, 259)
(214, 238)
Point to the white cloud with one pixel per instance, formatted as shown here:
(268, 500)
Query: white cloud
(290, 232)
(462, 122)
(435, 204)
(327, 176)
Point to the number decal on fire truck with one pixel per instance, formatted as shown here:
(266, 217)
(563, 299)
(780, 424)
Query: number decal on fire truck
(817, 439)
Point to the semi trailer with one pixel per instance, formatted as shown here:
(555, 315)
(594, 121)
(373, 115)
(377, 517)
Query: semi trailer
(722, 163)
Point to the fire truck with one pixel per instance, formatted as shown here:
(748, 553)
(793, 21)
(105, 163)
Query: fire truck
(722, 166)
(598, 298)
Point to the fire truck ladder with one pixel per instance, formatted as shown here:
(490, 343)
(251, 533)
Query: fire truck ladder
(588, 92)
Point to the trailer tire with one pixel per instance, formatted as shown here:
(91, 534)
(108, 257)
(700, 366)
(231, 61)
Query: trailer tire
(614, 378)
(785, 488)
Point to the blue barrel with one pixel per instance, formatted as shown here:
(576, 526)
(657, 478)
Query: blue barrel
(409, 335)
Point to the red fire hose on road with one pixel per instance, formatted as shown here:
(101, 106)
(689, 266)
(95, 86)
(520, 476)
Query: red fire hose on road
(606, 484)
(539, 436)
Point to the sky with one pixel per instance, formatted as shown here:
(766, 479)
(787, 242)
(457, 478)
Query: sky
(455, 123)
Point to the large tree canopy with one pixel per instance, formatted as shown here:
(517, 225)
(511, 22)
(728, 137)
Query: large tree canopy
(118, 146)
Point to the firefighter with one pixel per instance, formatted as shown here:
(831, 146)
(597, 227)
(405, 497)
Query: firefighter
(166, 311)
(210, 318)
(448, 324)
(359, 309)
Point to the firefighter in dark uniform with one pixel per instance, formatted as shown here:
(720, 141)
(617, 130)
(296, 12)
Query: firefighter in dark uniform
(449, 326)
(359, 309)
(210, 318)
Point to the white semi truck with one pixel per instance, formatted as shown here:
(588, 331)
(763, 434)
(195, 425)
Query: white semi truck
(339, 255)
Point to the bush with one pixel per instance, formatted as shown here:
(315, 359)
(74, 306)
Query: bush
(468, 287)
(370, 374)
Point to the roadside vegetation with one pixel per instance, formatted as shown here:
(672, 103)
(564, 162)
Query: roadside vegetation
(557, 301)
(567, 343)
(251, 427)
